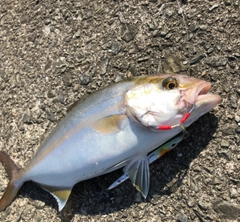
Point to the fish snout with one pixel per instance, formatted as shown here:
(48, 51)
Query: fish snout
(191, 94)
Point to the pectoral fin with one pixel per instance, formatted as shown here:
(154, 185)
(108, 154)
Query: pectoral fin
(138, 172)
(59, 193)
(109, 124)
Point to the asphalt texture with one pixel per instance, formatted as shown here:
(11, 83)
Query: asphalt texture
(54, 52)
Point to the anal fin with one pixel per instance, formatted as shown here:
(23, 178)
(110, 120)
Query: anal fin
(61, 194)
(138, 172)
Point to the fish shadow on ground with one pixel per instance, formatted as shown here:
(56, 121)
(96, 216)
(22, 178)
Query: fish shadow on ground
(91, 197)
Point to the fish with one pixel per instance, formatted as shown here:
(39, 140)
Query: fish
(115, 127)
(153, 156)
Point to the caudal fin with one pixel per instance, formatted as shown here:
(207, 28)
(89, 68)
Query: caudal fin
(13, 185)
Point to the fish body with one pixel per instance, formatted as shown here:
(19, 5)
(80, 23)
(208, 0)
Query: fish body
(112, 128)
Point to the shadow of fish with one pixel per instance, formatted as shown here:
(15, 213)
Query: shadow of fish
(115, 127)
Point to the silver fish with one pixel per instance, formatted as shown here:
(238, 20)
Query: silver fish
(112, 128)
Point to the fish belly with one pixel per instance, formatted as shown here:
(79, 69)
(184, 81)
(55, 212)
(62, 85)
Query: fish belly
(87, 154)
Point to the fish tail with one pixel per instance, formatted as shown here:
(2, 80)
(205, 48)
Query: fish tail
(13, 185)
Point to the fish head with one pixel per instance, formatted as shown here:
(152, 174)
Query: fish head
(167, 99)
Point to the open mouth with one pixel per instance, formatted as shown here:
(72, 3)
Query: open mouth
(199, 95)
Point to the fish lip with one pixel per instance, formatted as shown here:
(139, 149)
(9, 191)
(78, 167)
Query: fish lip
(209, 98)
(191, 95)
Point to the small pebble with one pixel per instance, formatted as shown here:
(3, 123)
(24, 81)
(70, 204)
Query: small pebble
(84, 79)
(203, 205)
(225, 143)
(233, 193)
(213, 7)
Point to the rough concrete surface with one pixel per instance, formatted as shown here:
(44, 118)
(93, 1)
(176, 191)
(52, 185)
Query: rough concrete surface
(53, 52)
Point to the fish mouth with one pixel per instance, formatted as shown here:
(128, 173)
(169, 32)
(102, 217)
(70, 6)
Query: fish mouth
(198, 95)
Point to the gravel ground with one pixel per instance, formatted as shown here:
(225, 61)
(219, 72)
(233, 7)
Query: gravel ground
(53, 52)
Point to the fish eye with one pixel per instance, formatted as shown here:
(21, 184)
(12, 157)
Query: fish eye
(170, 83)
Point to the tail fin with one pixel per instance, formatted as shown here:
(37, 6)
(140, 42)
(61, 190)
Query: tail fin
(13, 185)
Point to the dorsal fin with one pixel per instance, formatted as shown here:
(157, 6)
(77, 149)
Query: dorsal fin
(69, 108)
